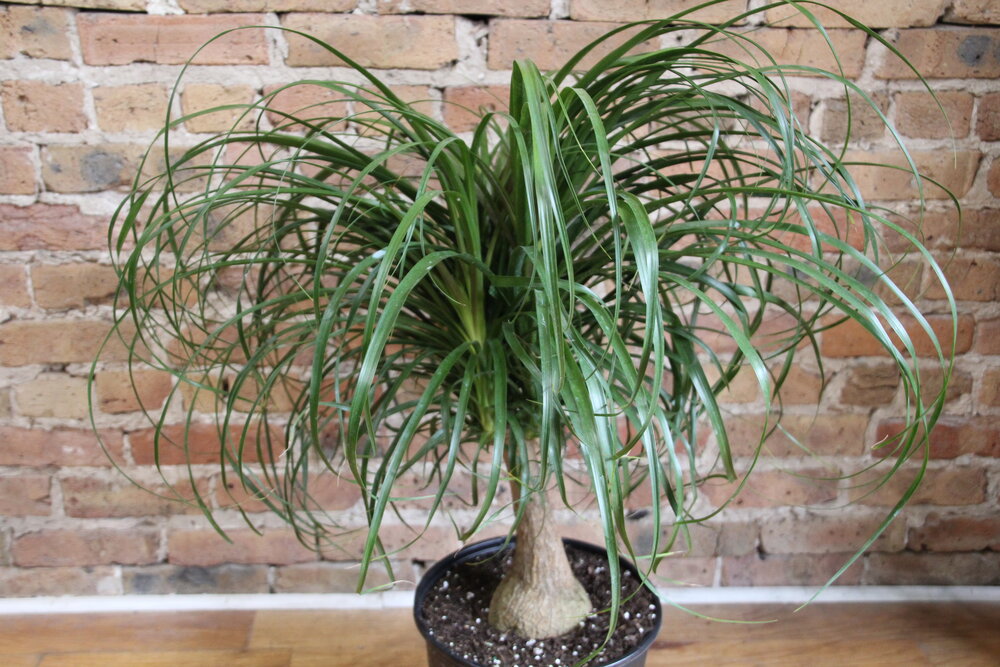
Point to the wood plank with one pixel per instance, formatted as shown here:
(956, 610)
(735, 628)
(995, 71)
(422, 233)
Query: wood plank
(790, 653)
(63, 633)
(19, 660)
(170, 659)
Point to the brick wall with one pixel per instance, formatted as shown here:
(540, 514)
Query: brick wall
(85, 85)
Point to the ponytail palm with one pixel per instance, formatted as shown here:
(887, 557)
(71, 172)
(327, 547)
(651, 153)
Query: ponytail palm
(534, 303)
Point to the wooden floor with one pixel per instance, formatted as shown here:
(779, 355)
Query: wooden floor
(822, 634)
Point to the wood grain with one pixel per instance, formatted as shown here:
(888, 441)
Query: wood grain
(876, 635)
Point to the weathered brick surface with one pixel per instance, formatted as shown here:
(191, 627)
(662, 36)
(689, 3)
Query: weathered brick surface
(14, 286)
(952, 437)
(918, 114)
(988, 122)
(220, 6)
(640, 10)
(25, 495)
(204, 548)
(824, 434)
(66, 342)
(417, 42)
(37, 106)
(822, 535)
(55, 581)
(478, 7)
(81, 547)
(62, 286)
(328, 578)
(77, 169)
(884, 14)
(789, 570)
(123, 391)
(53, 395)
(87, 497)
(133, 107)
(945, 53)
(942, 532)
(50, 227)
(465, 105)
(934, 569)
(57, 447)
(548, 43)
(974, 11)
(804, 47)
(773, 488)
(36, 32)
(119, 39)
(850, 339)
(17, 170)
(954, 171)
(200, 97)
(183, 580)
(959, 485)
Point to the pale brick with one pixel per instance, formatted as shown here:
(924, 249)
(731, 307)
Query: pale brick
(773, 488)
(955, 171)
(380, 42)
(221, 6)
(850, 339)
(37, 32)
(933, 569)
(548, 43)
(305, 101)
(823, 434)
(180, 580)
(53, 395)
(56, 581)
(58, 447)
(527, 8)
(944, 53)
(683, 572)
(881, 14)
(84, 168)
(970, 279)
(952, 486)
(204, 96)
(989, 392)
(50, 227)
(206, 548)
(464, 105)
(36, 106)
(918, 115)
(81, 548)
(130, 108)
(801, 47)
(865, 122)
(641, 10)
(118, 39)
(122, 391)
(988, 119)
(115, 5)
(14, 286)
(25, 495)
(974, 12)
(89, 497)
(66, 342)
(62, 286)
(819, 535)
(953, 532)
(332, 578)
(17, 170)
(789, 570)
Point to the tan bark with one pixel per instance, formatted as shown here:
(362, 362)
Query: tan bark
(539, 596)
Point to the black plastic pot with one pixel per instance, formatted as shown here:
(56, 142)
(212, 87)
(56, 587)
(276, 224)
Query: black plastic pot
(439, 655)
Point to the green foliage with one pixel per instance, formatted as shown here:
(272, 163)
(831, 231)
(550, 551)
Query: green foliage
(393, 299)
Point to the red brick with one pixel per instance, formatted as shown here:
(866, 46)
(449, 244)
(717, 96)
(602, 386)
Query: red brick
(14, 286)
(973, 11)
(942, 532)
(970, 279)
(206, 548)
(463, 105)
(220, 6)
(58, 447)
(816, 535)
(118, 39)
(381, 42)
(988, 336)
(121, 391)
(773, 488)
(36, 106)
(850, 339)
(955, 171)
(202, 442)
(993, 178)
(56, 581)
(988, 119)
(17, 170)
(789, 570)
(933, 569)
(989, 393)
(100, 546)
(823, 434)
(305, 101)
(548, 43)
(90, 497)
(50, 227)
(37, 32)
(918, 114)
(66, 342)
(25, 495)
(641, 10)
(529, 8)
(63, 286)
(882, 14)
(870, 385)
(952, 437)
(865, 122)
(952, 486)
(326, 492)
(979, 229)
(945, 52)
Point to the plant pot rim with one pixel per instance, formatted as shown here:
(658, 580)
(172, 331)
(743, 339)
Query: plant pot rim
(491, 546)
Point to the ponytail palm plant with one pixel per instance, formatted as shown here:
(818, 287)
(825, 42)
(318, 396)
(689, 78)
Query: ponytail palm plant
(353, 290)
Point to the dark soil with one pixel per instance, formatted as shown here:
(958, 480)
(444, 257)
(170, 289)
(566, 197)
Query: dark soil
(456, 610)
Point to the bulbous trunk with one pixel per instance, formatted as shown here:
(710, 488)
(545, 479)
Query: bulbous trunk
(539, 596)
